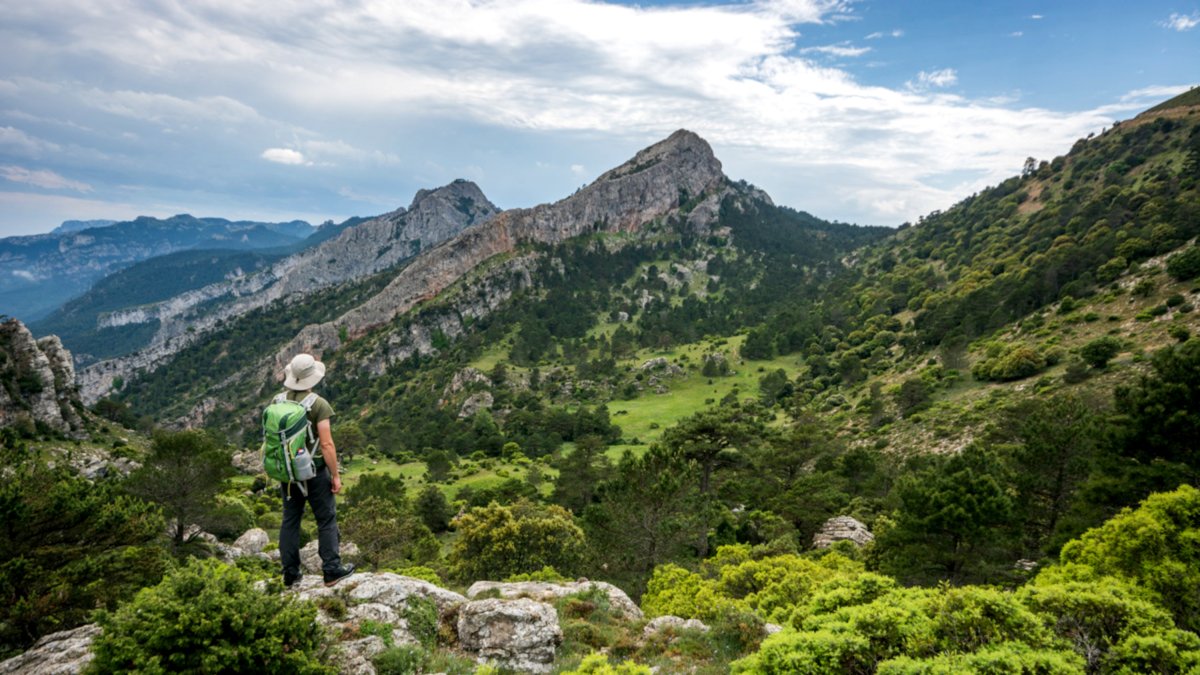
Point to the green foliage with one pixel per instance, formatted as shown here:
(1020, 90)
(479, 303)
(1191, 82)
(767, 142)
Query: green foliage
(183, 474)
(496, 541)
(1152, 547)
(545, 574)
(70, 546)
(1186, 265)
(421, 615)
(1162, 411)
(390, 535)
(423, 573)
(597, 664)
(433, 509)
(208, 617)
(580, 472)
(1098, 352)
(1015, 362)
(949, 520)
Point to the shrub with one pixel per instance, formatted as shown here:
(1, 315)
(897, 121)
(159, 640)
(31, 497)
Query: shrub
(208, 617)
(597, 664)
(1186, 265)
(1098, 352)
(495, 542)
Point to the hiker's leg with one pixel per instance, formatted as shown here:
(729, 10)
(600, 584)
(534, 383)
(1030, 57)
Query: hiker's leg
(320, 497)
(289, 531)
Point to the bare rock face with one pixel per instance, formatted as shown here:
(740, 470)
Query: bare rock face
(37, 380)
(476, 402)
(64, 653)
(842, 528)
(547, 591)
(521, 635)
(360, 251)
(622, 200)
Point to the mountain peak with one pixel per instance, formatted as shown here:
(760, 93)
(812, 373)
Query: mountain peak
(683, 146)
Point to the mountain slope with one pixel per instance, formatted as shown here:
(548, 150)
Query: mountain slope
(43, 271)
(356, 254)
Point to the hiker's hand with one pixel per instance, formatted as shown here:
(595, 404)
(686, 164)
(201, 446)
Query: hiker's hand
(337, 485)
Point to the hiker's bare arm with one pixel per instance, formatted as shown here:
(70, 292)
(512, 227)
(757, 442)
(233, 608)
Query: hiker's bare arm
(329, 452)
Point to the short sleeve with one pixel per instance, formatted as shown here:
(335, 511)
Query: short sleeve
(321, 410)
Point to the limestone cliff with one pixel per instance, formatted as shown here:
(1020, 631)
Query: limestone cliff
(37, 381)
(358, 252)
(651, 185)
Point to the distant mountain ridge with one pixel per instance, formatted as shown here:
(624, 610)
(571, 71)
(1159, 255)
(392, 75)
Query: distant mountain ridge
(355, 253)
(77, 225)
(42, 271)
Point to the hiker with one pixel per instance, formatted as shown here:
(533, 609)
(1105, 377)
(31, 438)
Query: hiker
(302, 374)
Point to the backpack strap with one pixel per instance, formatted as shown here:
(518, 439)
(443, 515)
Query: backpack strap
(308, 403)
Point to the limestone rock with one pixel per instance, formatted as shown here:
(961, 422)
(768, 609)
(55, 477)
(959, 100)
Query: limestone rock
(522, 634)
(547, 591)
(249, 462)
(842, 528)
(42, 380)
(253, 541)
(475, 402)
(674, 624)
(394, 591)
(354, 657)
(67, 651)
(310, 555)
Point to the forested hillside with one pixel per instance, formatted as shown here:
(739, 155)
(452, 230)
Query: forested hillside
(1004, 397)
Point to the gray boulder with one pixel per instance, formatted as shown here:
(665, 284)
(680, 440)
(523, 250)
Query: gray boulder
(310, 557)
(394, 591)
(842, 528)
(546, 591)
(521, 635)
(61, 653)
(253, 541)
(674, 624)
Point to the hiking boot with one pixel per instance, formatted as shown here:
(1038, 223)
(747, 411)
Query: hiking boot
(290, 579)
(340, 573)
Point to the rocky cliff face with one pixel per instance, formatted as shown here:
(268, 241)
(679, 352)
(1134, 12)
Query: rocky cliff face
(360, 251)
(651, 185)
(37, 381)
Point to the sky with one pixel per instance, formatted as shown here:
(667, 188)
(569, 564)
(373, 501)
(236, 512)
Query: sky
(866, 111)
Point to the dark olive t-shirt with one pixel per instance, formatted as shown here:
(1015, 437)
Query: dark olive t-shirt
(320, 410)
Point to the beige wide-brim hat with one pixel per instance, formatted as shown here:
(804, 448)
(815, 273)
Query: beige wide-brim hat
(303, 373)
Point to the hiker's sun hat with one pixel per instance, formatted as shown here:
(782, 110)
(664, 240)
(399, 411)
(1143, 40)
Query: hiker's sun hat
(303, 373)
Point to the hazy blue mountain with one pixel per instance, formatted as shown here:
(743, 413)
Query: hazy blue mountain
(40, 272)
(77, 225)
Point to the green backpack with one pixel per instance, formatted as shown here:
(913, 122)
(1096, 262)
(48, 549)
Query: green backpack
(288, 441)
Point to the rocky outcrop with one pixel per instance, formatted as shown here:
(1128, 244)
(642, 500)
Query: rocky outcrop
(547, 591)
(672, 624)
(622, 200)
(842, 528)
(521, 635)
(37, 381)
(253, 541)
(64, 653)
(358, 252)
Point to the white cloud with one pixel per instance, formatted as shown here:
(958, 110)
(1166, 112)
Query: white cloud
(578, 169)
(352, 87)
(842, 49)
(1035, 17)
(43, 178)
(1016, 33)
(284, 156)
(24, 274)
(1183, 22)
(16, 141)
(935, 78)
